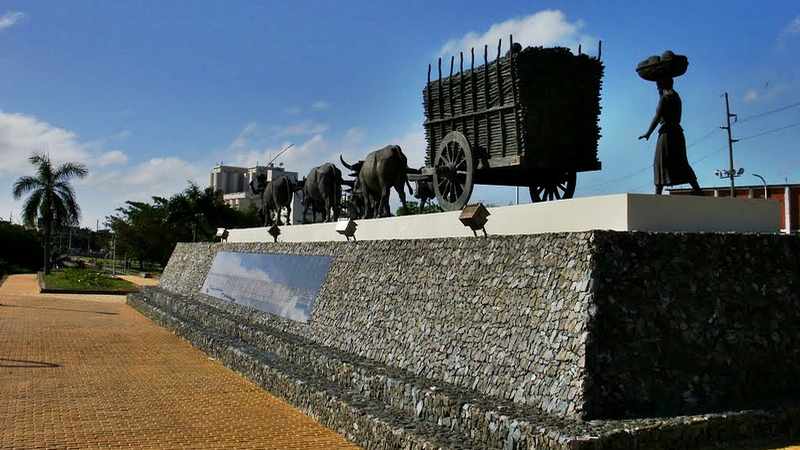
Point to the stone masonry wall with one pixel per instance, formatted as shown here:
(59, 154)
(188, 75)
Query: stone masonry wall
(692, 323)
(584, 325)
(504, 316)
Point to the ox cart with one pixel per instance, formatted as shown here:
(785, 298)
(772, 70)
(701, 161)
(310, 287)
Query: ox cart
(529, 118)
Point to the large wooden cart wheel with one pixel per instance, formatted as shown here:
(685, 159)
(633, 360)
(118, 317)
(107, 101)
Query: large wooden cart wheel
(553, 186)
(454, 169)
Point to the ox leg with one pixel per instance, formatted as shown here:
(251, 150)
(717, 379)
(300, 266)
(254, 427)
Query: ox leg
(328, 207)
(368, 206)
(267, 217)
(305, 212)
(401, 192)
(383, 210)
(289, 213)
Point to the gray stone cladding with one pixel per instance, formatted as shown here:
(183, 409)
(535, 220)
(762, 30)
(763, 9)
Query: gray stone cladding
(504, 316)
(597, 325)
(692, 323)
(380, 407)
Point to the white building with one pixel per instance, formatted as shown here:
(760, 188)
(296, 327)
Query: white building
(234, 182)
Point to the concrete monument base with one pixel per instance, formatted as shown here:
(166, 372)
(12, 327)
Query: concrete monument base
(619, 212)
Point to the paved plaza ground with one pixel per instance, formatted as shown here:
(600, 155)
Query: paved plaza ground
(87, 371)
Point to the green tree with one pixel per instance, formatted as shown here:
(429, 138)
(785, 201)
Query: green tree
(20, 249)
(51, 198)
(149, 231)
(412, 208)
(142, 231)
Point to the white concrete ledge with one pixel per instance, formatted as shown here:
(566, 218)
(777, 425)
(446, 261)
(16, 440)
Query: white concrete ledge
(620, 212)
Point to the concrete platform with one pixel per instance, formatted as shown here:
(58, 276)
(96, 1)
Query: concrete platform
(618, 212)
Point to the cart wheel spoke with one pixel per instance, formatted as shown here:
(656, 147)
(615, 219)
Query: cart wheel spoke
(454, 171)
(552, 186)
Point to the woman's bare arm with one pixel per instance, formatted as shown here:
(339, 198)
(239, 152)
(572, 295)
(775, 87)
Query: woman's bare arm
(656, 120)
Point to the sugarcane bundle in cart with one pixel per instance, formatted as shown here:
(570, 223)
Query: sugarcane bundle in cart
(528, 118)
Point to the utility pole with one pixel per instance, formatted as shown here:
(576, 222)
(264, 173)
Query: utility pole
(731, 172)
(113, 254)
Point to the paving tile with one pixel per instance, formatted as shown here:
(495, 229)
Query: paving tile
(90, 372)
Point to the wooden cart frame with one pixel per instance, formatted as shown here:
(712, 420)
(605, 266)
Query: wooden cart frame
(477, 133)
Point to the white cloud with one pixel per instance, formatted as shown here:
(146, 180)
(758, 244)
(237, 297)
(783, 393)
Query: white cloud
(751, 95)
(111, 180)
(354, 136)
(122, 134)
(21, 135)
(793, 27)
(304, 128)
(790, 31)
(113, 157)
(244, 136)
(10, 19)
(254, 135)
(160, 172)
(413, 145)
(300, 158)
(319, 105)
(545, 28)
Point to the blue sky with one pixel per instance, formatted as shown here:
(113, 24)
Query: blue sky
(149, 94)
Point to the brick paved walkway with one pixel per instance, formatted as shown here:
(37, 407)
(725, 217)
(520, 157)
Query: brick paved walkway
(90, 372)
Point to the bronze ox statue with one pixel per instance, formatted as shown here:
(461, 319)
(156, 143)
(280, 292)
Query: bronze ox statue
(275, 195)
(322, 190)
(376, 175)
(424, 192)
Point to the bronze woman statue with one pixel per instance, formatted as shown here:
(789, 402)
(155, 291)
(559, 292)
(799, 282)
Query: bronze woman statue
(671, 166)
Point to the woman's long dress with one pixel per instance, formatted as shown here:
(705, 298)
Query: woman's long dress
(671, 166)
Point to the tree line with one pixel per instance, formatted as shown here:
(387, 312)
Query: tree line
(144, 232)
(148, 231)
(140, 231)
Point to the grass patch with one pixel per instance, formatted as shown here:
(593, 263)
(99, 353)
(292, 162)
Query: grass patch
(86, 280)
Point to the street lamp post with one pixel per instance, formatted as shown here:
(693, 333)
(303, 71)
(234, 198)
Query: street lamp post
(763, 181)
(723, 173)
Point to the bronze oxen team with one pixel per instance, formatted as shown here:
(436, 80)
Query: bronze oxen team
(373, 179)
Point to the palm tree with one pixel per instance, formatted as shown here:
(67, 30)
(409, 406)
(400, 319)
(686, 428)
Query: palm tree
(51, 197)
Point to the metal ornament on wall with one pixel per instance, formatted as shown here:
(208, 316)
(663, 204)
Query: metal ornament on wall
(475, 217)
(274, 231)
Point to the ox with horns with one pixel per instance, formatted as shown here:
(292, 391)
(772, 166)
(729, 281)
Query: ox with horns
(376, 175)
(322, 190)
(275, 195)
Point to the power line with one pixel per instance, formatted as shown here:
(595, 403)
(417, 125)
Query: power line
(643, 169)
(774, 130)
(767, 113)
(696, 161)
(706, 136)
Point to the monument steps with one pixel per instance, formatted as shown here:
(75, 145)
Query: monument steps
(382, 407)
(354, 414)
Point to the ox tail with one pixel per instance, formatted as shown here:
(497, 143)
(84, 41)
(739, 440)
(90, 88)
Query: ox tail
(410, 191)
